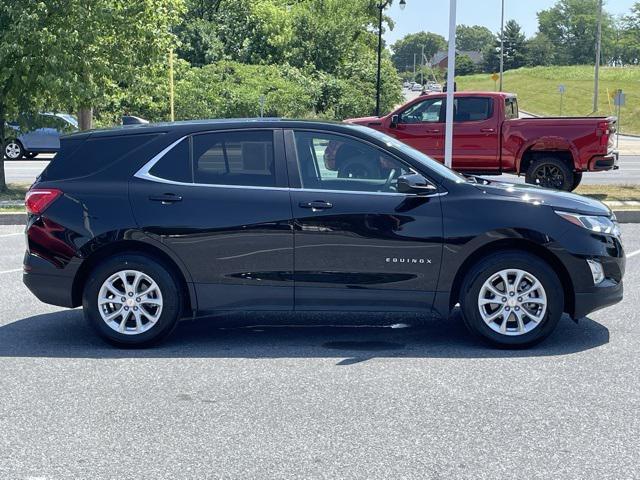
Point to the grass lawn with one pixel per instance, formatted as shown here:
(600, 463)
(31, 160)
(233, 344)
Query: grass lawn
(537, 90)
(15, 191)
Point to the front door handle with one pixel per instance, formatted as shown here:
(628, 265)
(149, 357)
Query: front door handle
(435, 130)
(316, 205)
(166, 198)
(487, 130)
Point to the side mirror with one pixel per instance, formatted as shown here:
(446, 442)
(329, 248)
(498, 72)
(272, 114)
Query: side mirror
(415, 183)
(395, 119)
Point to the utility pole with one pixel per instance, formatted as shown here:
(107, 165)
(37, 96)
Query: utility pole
(422, 66)
(596, 80)
(414, 67)
(501, 45)
(171, 84)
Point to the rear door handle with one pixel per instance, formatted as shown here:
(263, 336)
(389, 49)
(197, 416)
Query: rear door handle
(433, 131)
(487, 130)
(316, 205)
(166, 198)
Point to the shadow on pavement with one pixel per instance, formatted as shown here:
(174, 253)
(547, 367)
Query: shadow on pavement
(66, 335)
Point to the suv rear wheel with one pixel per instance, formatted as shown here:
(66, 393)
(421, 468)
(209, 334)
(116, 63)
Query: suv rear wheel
(512, 299)
(550, 172)
(131, 300)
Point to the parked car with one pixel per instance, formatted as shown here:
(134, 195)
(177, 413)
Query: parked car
(416, 87)
(435, 87)
(38, 134)
(144, 226)
(490, 138)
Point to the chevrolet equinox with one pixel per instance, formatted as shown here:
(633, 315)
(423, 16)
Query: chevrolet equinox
(146, 225)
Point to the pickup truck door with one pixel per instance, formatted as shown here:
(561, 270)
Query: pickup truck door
(420, 126)
(476, 134)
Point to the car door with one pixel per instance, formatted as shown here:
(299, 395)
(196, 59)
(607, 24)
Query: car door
(359, 244)
(476, 135)
(421, 126)
(219, 200)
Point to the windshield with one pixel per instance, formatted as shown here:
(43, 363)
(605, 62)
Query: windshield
(426, 160)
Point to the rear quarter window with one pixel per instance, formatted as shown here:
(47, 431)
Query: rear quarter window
(79, 157)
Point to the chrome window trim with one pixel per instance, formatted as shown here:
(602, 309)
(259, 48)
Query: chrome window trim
(144, 174)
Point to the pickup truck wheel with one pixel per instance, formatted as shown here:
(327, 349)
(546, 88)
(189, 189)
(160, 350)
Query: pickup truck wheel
(577, 178)
(550, 172)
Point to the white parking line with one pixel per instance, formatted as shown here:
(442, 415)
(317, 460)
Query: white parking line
(11, 234)
(12, 271)
(633, 254)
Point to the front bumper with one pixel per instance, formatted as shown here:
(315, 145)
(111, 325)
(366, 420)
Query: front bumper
(606, 294)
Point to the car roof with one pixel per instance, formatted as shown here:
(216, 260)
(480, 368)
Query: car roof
(194, 126)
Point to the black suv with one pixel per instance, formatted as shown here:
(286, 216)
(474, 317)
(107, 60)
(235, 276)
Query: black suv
(148, 224)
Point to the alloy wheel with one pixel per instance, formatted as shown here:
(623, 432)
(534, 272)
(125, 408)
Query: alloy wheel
(512, 302)
(130, 302)
(549, 176)
(12, 150)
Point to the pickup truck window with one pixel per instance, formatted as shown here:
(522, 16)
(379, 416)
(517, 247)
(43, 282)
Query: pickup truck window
(511, 108)
(427, 111)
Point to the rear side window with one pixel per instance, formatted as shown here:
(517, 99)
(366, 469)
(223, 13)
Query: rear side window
(511, 108)
(472, 109)
(92, 154)
(175, 165)
(234, 158)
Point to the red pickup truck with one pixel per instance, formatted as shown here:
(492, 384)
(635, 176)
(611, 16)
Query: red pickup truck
(489, 138)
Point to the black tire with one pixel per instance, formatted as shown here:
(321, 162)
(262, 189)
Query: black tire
(13, 149)
(577, 178)
(550, 172)
(171, 294)
(483, 271)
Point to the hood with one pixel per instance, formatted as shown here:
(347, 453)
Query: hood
(542, 196)
(365, 120)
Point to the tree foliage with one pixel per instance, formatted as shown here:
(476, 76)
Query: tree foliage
(514, 49)
(406, 47)
(473, 38)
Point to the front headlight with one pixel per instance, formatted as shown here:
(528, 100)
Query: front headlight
(595, 223)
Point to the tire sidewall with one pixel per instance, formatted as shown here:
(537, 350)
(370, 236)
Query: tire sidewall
(517, 260)
(169, 287)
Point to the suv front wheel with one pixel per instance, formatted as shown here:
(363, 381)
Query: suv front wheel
(132, 300)
(13, 150)
(512, 299)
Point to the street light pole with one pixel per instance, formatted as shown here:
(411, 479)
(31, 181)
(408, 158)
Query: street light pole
(501, 45)
(596, 80)
(381, 6)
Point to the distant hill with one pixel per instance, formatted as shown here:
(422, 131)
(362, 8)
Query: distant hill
(537, 90)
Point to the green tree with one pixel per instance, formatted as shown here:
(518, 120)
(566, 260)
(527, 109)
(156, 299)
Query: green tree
(473, 38)
(464, 65)
(406, 47)
(627, 38)
(514, 49)
(571, 25)
(73, 54)
(539, 51)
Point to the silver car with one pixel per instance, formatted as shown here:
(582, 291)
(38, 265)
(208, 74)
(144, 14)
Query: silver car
(39, 134)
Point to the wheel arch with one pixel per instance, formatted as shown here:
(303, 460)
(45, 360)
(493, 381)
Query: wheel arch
(519, 244)
(132, 246)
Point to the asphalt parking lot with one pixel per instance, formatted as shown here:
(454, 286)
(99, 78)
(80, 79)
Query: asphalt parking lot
(424, 402)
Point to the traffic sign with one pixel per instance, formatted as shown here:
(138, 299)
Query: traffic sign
(495, 77)
(562, 88)
(619, 98)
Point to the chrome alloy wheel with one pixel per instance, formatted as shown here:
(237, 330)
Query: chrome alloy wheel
(512, 302)
(12, 150)
(130, 302)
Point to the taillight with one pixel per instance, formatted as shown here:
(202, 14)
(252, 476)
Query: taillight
(603, 132)
(38, 199)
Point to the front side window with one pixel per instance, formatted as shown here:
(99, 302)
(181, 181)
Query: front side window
(427, 111)
(234, 158)
(333, 162)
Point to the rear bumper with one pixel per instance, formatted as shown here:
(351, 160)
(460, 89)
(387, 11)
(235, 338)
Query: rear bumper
(48, 283)
(603, 163)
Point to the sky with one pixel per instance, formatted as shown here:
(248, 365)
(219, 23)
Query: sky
(433, 15)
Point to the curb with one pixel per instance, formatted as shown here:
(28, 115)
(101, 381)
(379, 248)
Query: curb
(624, 216)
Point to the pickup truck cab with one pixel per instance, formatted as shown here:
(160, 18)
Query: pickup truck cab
(489, 138)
